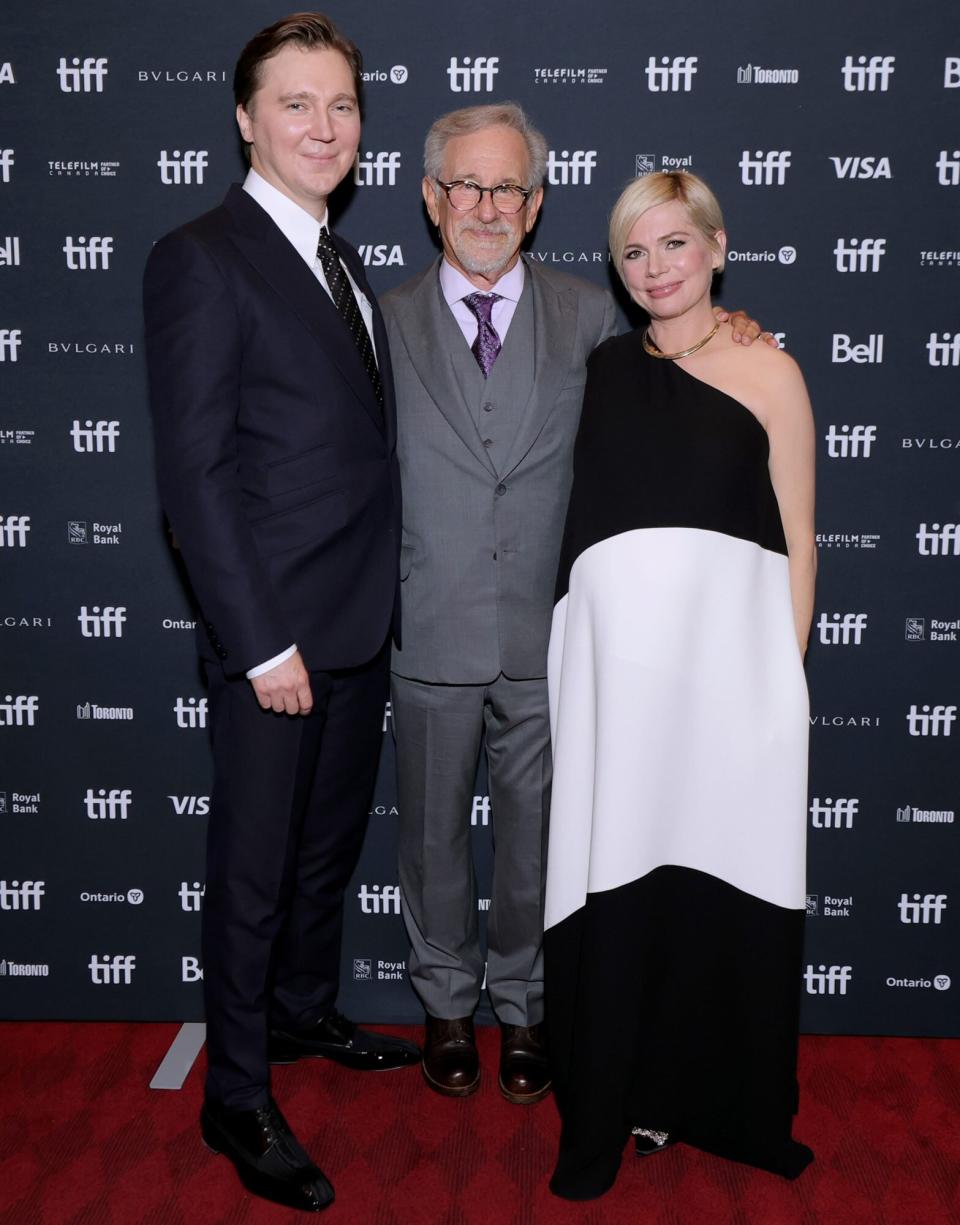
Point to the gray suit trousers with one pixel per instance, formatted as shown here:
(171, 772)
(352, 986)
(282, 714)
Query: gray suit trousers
(439, 730)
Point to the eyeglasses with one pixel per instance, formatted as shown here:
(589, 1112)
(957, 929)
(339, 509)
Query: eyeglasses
(465, 195)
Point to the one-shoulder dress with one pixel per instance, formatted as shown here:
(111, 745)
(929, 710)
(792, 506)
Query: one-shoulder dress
(679, 713)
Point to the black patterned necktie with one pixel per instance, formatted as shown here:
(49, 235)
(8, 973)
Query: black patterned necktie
(486, 348)
(345, 301)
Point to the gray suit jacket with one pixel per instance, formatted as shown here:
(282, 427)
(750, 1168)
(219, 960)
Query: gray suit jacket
(479, 556)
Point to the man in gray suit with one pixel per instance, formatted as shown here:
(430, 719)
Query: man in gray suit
(489, 354)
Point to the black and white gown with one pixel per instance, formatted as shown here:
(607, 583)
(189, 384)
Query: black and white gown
(679, 713)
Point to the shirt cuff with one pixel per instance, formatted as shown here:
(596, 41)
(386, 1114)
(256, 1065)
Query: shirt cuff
(271, 663)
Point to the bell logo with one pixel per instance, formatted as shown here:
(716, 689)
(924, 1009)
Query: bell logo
(184, 169)
(472, 77)
(9, 344)
(191, 713)
(931, 721)
(833, 814)
(19, 711)
(845, 630)
(850, 442)
(87, 254)
(867, 76)
(10, 251)
(13, 531)
(95, 436)
(671, 75)
(376, 169)
(379, 899)
(190, 895)
(116, 970)
(827, 980)
(190, 805)
(869, 353)
(939, 541)
(107, 622)
(860, 254)
(112, 805)
(926, 909)
(81, 77)
(943, 349)
(571, 168)
(17, 895)
(190, 970)
(764, 169)
(862, 167)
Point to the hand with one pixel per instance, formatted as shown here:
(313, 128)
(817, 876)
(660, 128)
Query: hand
(285, 689)
(745, 329)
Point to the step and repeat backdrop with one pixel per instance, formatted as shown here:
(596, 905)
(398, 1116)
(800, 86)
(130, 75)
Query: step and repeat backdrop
(831, 135)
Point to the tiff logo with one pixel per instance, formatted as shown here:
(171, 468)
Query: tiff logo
(860, 254)
(833, 814)
(21, 895)
(480, 812)
(9, 344)
(472, 77)
(827, 980)
(937, 541)
(107, 622)
(13, 531)
(571, 168)
(82, 78)
(867, 76)
(19, 711)
(95, 436)
(943, 350)
(191, 713)
(190, 805)
(928, 909)
(117, 969)
(112, 805)
(6, 164)
(764, 169)
(671, 75)
(376, 169)
(10, 251)
(842, 631)
(178, 169)
(87, 254)
(931, 721)
(948, 168)
(869, 353)
(850, 442)
(190, 895)
(379, 899)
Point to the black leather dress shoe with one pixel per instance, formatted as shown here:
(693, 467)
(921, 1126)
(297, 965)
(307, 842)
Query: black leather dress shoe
(524, 1071)
(334, 1037)
(266, 1155)
(451, 1065)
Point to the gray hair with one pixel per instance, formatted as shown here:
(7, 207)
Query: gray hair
(474, 119)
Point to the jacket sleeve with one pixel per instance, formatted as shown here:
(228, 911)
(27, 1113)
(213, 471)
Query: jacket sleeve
(194, 359)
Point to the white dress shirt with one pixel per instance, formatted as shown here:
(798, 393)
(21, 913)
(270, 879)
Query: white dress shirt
(454, 286)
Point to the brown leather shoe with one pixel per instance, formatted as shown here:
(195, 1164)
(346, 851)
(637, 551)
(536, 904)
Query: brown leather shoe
(524, 1071)
(450, 1062)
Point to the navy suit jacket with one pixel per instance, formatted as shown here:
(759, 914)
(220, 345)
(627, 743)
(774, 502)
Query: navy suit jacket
(276, 465)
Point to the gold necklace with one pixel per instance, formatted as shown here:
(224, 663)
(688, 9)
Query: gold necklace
(651, 348)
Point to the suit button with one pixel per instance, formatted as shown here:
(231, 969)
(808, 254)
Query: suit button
(501, 490)
(494, 557)
(488, 408)
(488, 442)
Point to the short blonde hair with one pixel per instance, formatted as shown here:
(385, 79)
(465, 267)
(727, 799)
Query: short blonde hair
(660, 188)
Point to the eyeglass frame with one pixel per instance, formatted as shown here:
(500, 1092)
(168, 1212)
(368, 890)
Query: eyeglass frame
(526, 193)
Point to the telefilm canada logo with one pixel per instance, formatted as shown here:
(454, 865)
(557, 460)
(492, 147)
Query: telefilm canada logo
(848, 540)
(17, 437)
(569, 76)
(81, 168)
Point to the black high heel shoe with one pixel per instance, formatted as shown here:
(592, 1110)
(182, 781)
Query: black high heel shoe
(647, 1141)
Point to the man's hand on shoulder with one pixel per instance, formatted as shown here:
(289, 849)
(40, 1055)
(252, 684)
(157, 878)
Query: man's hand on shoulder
(745, 329)
(285, 689)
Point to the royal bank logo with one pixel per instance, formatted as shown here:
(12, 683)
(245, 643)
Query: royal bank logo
(915, 629)
(377, 169)
(190, 713)
(108, 805)
(850, 441)
(82, 170)
(10, 340)
(21, 895)
(190, 805)
(10, 251)
(827, 980)
(379, 899)
(764, 169)
(112, 969)
(938, 540)
(380, 255)
(671, 75)
(911, 815)
(867, 75)
(84, 76)
(868, 352)
(753, 74)
(931, 720)
(812, 905)
(833, 814)
(110, 714)
(951, 72)
(928, 908)
(182, 169)
(182, 76)
(88, 254)
(859, 254)
(480, 811)
(842, 629)
(19, 710)
(76, 531)
(362, 969)
(856, 167)
(566, 169)
(3, 804)
(21, 803)
(13, 531)
(190, 970)
(191, 895)
(647, 163)
(106, 622)
(95, 437)
(943, 349)
(102, 533)
(569, 76)
(472, 75)
(7, 161)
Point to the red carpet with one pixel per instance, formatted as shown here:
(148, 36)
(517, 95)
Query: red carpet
(83, 1141)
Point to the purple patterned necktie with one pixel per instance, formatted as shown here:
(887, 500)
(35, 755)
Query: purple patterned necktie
(486, 348)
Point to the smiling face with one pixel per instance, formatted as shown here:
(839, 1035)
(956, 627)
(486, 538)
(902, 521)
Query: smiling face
(483, 243)
(303, 124)
(668, 263)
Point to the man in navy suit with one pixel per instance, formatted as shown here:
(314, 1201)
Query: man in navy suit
(273, 405)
